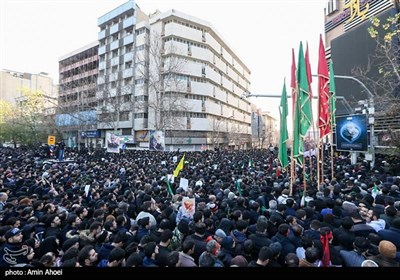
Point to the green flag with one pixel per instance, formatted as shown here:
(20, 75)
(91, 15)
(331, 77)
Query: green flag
(250, 163)
(239, 189)
(332, 95)
(303, 113)
(283, 138)
(169, 187)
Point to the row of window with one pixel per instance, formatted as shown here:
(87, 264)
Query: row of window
(117, 20)
(196, 44)
(142, 30)
(185, 24)
(126, 32)
(189, 115)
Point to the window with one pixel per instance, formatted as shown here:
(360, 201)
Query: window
(127, 98)
(124, 116)
(332, 6)
(128, 64)
(128, 48)
(126, 131)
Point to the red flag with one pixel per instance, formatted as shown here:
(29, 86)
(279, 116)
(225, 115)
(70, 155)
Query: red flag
(293, 83)
(323, 92)
(309, 75)
(326, 253)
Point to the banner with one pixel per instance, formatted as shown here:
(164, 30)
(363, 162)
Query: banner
(113, 142)
(156, 142)
(351, 133)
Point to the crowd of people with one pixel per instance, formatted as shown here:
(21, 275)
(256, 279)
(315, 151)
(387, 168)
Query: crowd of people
(103, 209)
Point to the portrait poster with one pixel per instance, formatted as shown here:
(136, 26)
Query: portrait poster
(188, 207)
(112, 142)
(156, 142)
(352, 133)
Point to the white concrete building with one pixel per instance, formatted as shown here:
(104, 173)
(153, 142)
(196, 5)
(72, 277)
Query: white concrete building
(198, 68)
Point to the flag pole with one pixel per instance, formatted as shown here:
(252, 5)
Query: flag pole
(322, 163)
(309, 79)
(293, 85)
(332, 165)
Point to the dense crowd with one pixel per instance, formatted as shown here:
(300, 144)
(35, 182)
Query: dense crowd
(112, 210)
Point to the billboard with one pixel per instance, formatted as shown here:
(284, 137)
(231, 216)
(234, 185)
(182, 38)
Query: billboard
(156, 141)
(351, 133)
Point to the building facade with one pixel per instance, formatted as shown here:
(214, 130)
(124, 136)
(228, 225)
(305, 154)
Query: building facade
(77, 102)
(115, 82)
(200, 81)
(350, 46)
(352, 50)
(14, 83)
(167, 72)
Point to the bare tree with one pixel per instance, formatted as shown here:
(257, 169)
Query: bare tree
(217, 132)
(161, 70)
(386, 82)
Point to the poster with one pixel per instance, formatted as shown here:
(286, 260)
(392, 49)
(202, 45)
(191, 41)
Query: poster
(188, 207)
(352, 134)
(112, 142)
(156, 142)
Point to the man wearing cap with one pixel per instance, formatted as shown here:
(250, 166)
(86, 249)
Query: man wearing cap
(12, 252)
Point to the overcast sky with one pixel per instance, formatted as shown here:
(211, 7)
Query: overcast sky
(34, 34)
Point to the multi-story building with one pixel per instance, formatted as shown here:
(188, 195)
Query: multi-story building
(167, 72)
(349, 44)
(115, 92)
(201, 81)
(270, 130)
(77, 103)
(173, 73)
(14, 83)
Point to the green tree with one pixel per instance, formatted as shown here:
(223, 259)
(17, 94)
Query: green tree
(26, 122)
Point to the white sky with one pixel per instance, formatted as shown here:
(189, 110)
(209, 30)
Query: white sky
(34, 34)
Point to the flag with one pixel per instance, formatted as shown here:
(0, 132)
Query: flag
(309, 75)
(374, 191)
(169, 187)
(303, 113)
(323, 92)
(332, 96)
(326, 254)
(250, 163)
(303, 200)
(239, 189)
(179, 167)
(283, 111)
